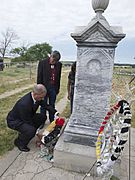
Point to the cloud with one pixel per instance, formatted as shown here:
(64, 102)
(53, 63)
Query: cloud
(121, 13)
(53, 21)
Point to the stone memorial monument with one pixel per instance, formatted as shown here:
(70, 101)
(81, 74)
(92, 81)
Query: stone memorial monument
(96, 45)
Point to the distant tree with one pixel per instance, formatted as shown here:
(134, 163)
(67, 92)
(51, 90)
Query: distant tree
(20, 53)
(34, 53)
(39, 51)
(7, 39)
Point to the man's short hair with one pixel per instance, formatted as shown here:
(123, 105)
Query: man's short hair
(39, 89)
(56, 55)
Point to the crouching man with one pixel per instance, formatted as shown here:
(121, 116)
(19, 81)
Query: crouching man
(23, 116)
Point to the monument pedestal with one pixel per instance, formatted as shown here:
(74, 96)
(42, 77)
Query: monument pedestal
(74, 157)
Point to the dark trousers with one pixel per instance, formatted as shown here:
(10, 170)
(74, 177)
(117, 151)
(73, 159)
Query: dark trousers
(71, 102)
(28, 131)
(49, 98)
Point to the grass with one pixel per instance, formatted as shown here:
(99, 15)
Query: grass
(66, 112)
(13, 73)
(11, 86)
(124, 69)
(119, 88)
(63, 88)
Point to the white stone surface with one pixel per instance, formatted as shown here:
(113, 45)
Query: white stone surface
(74, 157)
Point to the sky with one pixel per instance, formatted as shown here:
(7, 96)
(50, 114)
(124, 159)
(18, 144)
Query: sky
(53, 21)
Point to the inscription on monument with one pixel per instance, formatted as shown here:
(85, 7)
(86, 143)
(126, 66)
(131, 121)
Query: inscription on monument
(94, 66)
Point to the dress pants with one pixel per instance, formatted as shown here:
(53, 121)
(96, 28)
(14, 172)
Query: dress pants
(27, 131)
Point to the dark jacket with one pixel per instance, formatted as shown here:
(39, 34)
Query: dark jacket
(24, 111)
(43, 74)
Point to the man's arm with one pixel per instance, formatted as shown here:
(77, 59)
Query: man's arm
(48, 107)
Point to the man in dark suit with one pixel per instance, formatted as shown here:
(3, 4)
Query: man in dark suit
(23, 116)
(49, 74)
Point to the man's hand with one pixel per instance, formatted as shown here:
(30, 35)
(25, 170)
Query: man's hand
(56, 115)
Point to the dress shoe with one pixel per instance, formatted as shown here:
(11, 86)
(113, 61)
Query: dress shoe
(21, 148)
(24, 149)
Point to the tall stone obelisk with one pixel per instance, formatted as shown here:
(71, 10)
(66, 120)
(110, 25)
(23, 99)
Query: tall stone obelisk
(95, 58)
(96, 45)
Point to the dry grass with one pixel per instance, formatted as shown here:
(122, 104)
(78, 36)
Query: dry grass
(119, 89)
(66, 112)
(63, 87)
(13, 73)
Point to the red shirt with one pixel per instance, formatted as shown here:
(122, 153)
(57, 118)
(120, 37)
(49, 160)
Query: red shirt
(53, 74)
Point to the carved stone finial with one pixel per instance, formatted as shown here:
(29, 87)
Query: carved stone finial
(99, 6)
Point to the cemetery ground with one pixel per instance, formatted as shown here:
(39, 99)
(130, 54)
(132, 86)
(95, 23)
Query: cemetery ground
(16, 78)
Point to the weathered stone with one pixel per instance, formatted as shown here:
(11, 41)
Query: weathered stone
(96, 45)
(95, 58)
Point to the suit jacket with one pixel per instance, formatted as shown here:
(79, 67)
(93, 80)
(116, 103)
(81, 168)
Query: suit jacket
(24, 111)
(44, 74)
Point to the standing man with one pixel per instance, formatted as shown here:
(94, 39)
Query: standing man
(24, 119)
(49, 74)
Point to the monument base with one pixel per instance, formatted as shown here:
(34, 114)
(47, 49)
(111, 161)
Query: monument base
(81, 158)
(80, 134)
(74, 157)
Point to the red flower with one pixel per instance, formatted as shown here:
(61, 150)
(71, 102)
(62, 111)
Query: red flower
(60, 121)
